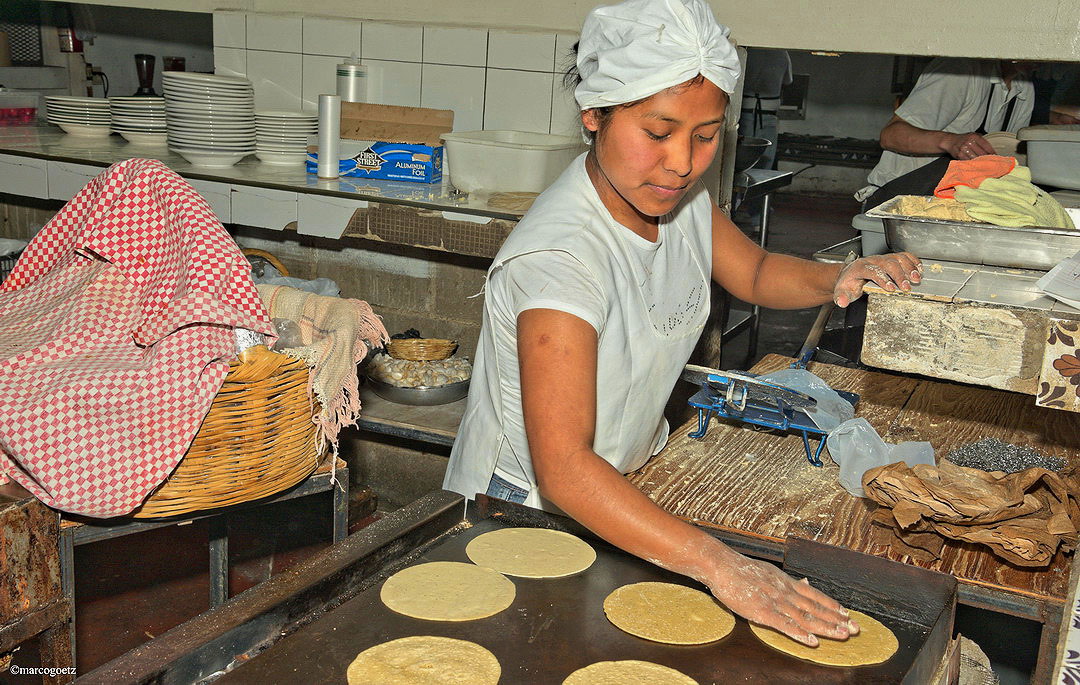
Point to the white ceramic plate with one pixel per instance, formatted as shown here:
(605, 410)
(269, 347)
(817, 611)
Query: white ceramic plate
(209, 134)
(138, 128)
(285, 129)
(85, 131)
(281, 158)
(76, 100)
(120, 109)
(210, 113)
(78, 120)
(282, 149)
(285, 138)
(145, 139)
(212, 79)
(204, 158)
(219, 126)
(286, 114)
(207, 93)
(137, 99)
(194, 142)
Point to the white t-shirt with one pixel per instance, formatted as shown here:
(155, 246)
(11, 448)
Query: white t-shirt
(647, 301)
(955, 95)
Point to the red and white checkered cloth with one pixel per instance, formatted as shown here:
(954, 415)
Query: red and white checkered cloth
(116, 329)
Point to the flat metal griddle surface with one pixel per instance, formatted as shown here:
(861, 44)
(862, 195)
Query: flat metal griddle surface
(554, 627)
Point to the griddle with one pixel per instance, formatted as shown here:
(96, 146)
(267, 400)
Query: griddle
(307, 624)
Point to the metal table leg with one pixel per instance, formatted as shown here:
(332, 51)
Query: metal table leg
(67, 580)
(219, 560)
(341, 505)
(755, 313)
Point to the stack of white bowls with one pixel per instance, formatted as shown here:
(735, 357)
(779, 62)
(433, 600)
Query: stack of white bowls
(79, 116)
(281, 137)
(210, 119)
(140, 120)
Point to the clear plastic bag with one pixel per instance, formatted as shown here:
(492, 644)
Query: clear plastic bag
(319, 286)
(856, 448)
(831, 409)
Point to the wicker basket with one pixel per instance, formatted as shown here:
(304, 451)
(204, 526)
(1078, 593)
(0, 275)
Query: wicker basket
(257, 439)
(421, 349)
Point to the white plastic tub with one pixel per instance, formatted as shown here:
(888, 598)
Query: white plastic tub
(507, 161)
(872, 231)
(1053, 154)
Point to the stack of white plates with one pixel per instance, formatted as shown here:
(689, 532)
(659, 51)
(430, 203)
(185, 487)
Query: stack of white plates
(79, 116)
(210, 120)
(140, 120)
(281, 137)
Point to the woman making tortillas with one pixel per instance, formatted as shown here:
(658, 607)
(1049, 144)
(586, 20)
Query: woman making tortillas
(598, 296)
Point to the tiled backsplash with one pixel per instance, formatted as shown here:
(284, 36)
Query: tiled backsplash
(493, 79)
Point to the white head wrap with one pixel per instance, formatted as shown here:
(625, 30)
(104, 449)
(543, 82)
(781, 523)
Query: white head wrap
(637, 48)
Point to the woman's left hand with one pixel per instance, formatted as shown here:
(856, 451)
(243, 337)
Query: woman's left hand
(889, 271)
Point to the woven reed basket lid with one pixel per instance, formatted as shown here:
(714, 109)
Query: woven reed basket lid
(421, 349)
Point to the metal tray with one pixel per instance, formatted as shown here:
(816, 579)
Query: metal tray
(421, 395)
(1030, 247)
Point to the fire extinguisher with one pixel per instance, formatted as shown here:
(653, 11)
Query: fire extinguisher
(69, 42)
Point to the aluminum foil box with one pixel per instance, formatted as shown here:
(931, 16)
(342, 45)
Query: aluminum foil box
(419, 163)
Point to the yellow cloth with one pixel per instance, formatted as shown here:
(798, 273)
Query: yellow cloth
(1013, 200)
(333, 331)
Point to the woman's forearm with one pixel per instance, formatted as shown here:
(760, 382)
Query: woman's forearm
(786, 282)
(595, 494)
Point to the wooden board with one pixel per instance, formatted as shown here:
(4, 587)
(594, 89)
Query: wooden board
(759, 484)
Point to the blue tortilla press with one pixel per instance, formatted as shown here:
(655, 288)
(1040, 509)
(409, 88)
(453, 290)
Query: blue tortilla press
(746, 397)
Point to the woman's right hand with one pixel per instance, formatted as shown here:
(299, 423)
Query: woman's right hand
(966, 145)
(762, 593)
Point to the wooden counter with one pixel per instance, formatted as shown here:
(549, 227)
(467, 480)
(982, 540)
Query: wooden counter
(758, 489)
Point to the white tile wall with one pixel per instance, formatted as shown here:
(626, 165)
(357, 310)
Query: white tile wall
(337, 37)
(230, 61)
(230, 29)
(393, 83)
(520, 50)
(465, 47)
(277, 77)
(458, 88)
(318, 77)
(277, 32)
(565, 115)
(401, 42)
(490, 78)
(518, 100)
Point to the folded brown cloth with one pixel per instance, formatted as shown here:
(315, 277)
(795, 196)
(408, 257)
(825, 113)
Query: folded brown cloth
(1022, 517)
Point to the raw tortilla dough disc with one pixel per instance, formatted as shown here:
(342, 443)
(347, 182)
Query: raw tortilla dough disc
(447, 591)
(669, 613)
(531, 552)
(874, 644)
(424, 660)
(627, 673)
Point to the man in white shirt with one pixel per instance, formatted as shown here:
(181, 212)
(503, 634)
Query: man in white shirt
(954, 102)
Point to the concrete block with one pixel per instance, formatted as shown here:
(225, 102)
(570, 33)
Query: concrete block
(454, 287)
(397, 471)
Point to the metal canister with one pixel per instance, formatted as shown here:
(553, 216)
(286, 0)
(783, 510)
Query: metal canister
(352, 81)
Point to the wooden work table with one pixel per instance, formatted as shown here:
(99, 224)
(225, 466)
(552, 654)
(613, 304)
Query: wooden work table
(757, 488)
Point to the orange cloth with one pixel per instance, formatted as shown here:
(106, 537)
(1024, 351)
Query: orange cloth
(972, 172)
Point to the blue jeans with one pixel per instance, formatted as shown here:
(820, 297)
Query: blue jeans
(506, 490)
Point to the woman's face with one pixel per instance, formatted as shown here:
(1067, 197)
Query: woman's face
(646, 156)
